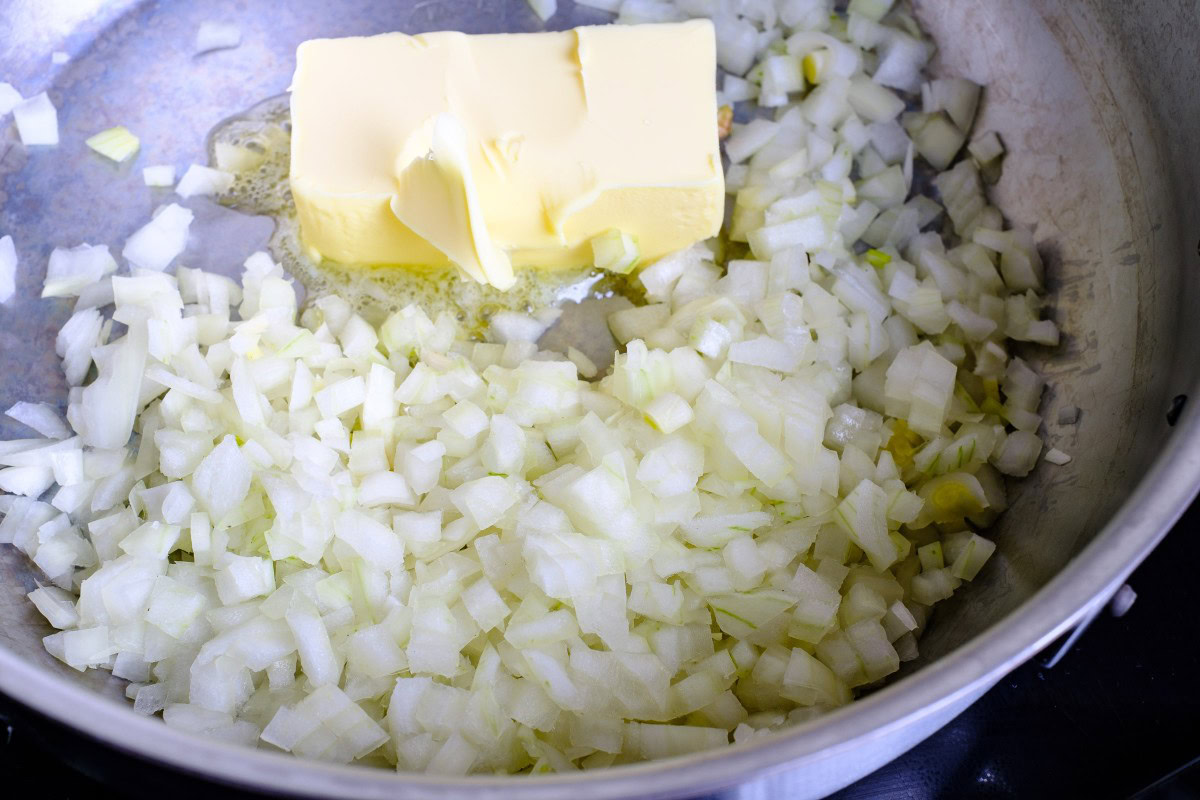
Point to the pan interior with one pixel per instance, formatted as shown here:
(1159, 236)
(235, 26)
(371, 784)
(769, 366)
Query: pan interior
(1085, 170)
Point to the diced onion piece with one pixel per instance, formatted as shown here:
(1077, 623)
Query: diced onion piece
(217, 36)
(615, 251)
(900, 62)
(37, 120)
(871, 9)
(933, 586)
(1018, 454)
(41, 417)
(971, 558)
(958, 97)
(511, 326)
(203, 181)
(1057, 457)
(663, 741)
(931, 556)
(937, 139)
(587, 368)
(159, 175)
(987, 148)
(783, 74)
(156, 244)
(8, 268)
(737, 89)
(737, 44)
(56, 605)
(545, 9)
(749, 138)
(115, 143)
(71, 270)
(872, 101)
(919, 387)
(235, 158)
(952, 497)
(26, 481)
(637, 322)
(863, 516)
(669, 412)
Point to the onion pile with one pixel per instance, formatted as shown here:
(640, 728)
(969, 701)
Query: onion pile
(398, 545)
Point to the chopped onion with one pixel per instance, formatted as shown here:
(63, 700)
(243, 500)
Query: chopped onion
(987, 148)
(155, 245)
(1018, 453)
(235, 158)
(56, 605)
(736, 89)
(116, 143)
(159, 175)
(26, 481)
(37, 120)
(217, 36)
(958, 97)
(871, 9)
(737, 45)
(8, 268)
(204, 181)
(510, 326)
(615, 251)
(42, 418)
(1057, 457)
(71, 270)
(544, 9)
(937, 139)
(401, 544)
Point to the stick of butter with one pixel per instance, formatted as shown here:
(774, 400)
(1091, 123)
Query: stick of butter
(506, 150)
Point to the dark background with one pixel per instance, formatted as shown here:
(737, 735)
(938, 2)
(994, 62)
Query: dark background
(1118, 717)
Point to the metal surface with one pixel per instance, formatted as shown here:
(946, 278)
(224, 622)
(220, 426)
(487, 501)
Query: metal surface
(1099, 104)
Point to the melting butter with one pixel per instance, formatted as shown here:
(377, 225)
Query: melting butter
(376, 292)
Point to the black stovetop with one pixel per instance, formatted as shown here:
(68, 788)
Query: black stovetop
(1118, 717)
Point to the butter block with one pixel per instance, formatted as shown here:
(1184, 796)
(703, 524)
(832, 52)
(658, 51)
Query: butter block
(437, 199)
(544, 140)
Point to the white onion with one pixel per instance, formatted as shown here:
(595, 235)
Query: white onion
(70, 270)
(203, 180)
(159, 175)
(8, 268)
(871, 9)
(217, 36)
(958, 97)
(41, 417)
(544, 9)
(403, 545)
(156, 244)
(37, 120)
(116, 143)
(987, 148)
(1057, 457)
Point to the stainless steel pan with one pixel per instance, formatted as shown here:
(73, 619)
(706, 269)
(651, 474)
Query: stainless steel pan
(1099, 104)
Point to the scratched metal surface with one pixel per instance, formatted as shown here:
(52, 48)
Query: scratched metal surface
(1091, 138)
